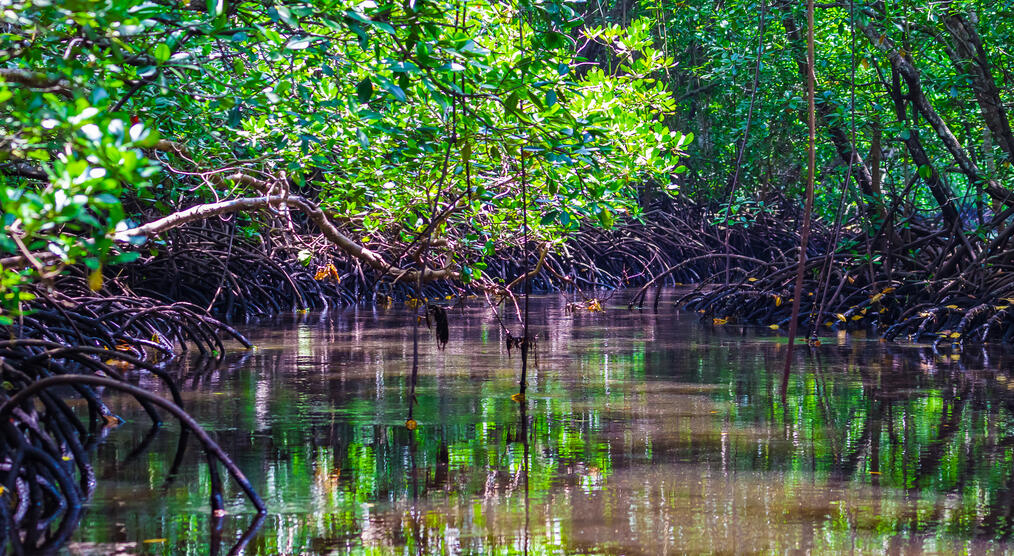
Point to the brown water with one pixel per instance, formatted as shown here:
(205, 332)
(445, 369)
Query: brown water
(642, 434)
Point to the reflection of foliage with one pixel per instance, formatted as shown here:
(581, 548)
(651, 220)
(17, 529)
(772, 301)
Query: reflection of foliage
(653, 436)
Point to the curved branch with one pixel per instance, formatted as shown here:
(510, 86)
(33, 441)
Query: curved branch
(141, 394)
(312, 210)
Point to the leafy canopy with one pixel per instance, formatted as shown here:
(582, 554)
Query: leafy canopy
(387, 112)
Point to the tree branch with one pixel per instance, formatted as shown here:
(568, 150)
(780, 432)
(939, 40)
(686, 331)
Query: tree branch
(316, 215)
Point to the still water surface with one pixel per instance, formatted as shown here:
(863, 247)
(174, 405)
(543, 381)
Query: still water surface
(642, 433)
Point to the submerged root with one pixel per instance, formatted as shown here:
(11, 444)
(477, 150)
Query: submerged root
(71, 342)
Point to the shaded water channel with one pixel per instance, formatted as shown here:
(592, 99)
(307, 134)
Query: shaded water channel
(642, 434)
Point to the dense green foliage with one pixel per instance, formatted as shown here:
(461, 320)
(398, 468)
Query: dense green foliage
(389, 115)
(715, 46)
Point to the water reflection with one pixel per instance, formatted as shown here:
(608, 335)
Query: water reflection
(640, 434)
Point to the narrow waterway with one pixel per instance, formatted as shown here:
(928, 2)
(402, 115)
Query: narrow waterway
(642, 433)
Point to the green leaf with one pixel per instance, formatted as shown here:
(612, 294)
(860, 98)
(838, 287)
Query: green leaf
(606, 218)
(364, 90)
(162, 53)
(925, 171)
(216, 7)
(397, 92)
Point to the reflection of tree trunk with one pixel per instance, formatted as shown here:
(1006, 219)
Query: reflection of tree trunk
(997, 522)
(933, 455)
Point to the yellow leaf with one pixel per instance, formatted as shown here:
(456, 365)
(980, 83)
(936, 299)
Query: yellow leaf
(519, 397)
(925, 314)
(773, 326)
(751, 279)
(888, 290)
(955, 307)
(153, 541)
(1001, 307)
(778, 301)
(719, 321)
(840, 317)
(411, 424)
(856, 317)
(851, 280)
(95, 280)
(876, 297)
(955, 335)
